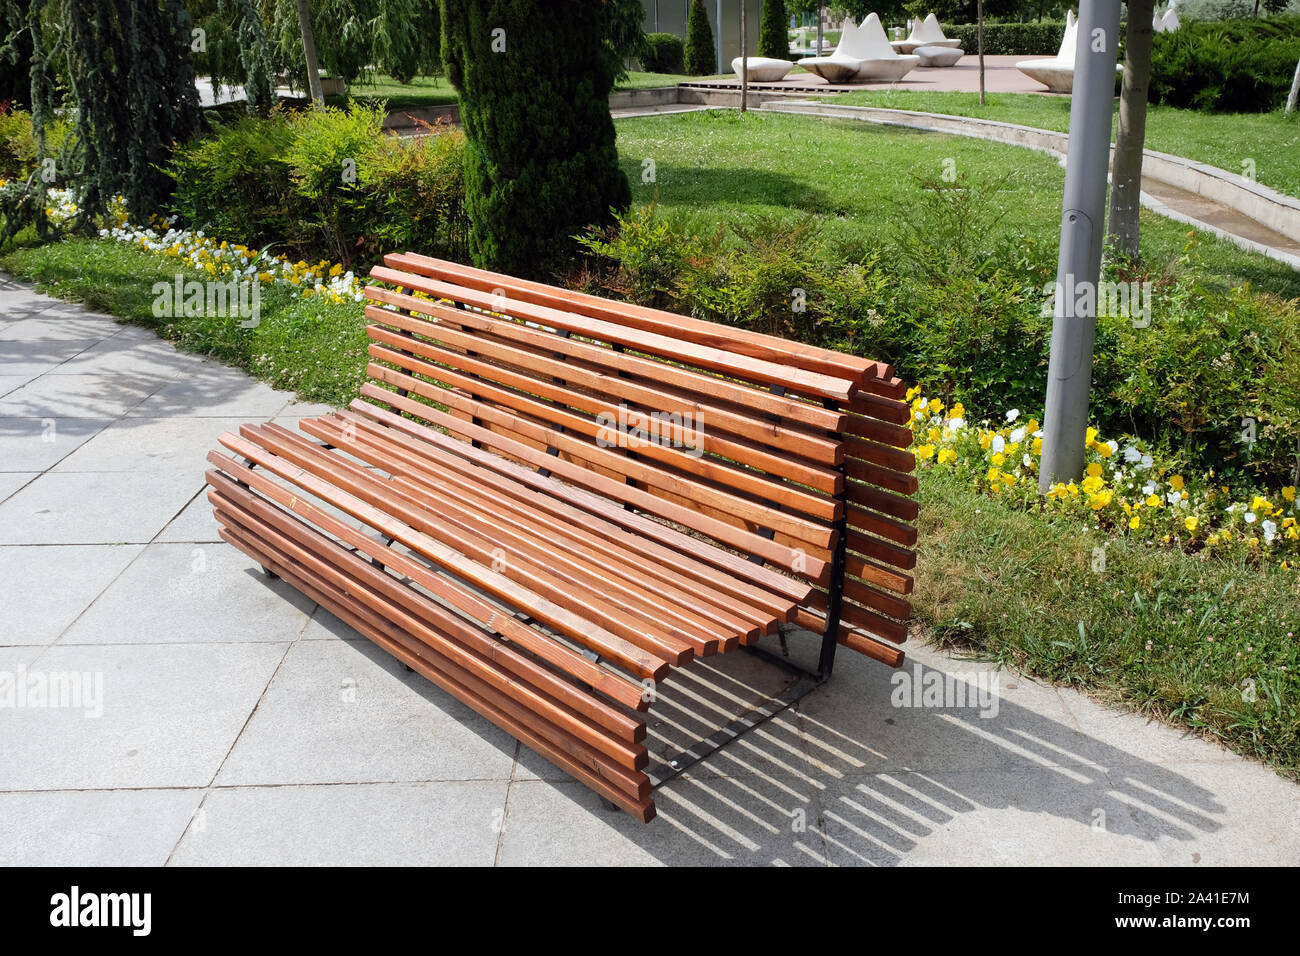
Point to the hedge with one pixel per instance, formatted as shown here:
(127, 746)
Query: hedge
(1230, 66)
(664, 53)
(1011, 39)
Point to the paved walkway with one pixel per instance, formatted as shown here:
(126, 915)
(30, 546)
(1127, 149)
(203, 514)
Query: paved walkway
(227, 720)
(1000, 76)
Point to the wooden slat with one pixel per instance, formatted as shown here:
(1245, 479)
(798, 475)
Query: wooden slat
(743, 341)
(609, 373)
(488, 616)
(748, 582)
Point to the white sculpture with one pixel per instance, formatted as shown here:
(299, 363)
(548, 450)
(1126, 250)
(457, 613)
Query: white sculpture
(925, 33)
(864, 53)
(938, 55)
(1057, 73)
(1169, 22)
(763, 69)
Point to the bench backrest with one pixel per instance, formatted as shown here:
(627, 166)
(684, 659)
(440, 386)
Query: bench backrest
(786, 453)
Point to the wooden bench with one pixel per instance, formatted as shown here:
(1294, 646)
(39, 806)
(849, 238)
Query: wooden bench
(543, 501)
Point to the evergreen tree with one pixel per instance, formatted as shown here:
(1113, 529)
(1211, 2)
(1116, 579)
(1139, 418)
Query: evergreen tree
(699, 54)
(534, 103)
(774, 30)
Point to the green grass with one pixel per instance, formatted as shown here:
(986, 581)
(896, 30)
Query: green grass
(1227, 140)
(858, 179)
(426, 91)
(1021, 589)
(314, 348)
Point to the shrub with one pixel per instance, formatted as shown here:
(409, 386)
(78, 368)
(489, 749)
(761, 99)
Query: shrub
(1234, 66)
(287, 181)
(1010, 39)
(663, 54)
(773, 30)
(17, 144)
(542, 164)
(701, 58)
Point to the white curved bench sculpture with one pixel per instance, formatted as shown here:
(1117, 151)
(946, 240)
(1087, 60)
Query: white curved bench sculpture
(864, 53)
(1166, 24)
(939, 55)
(1056, 73)
(925, 32)
(763, 69)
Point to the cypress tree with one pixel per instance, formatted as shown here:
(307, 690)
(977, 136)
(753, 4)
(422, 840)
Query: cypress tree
(701, 59)
(774, 31)
(534, 81)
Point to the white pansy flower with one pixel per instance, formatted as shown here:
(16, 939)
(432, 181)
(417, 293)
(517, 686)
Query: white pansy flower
(1013, 414)
(999, 443)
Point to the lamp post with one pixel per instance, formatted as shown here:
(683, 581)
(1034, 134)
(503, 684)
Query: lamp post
(1069, 373)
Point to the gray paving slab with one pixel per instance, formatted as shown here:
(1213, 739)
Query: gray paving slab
(10, 382)
(11, 481)
(57, 583)
(30, 359)
(35, 444)
(60, 322)
(215, 392)
(387, 824)
(191, 593)
(100, 395)
(93, 827)
(169, 714)
(340, 712)
(95, 507)
(138, 443)
(195, 524)
(132, 351)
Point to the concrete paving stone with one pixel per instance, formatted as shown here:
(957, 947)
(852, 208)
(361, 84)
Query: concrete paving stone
(345, 712)
(93, 827)
(10, 382)
(95, 508)
(324, 626)
(11, 481)
(196, 524)
(30, 359)
(698, 823)
(1119, 739)
(56, 583)
(138, 443)
(852, 724)
(35, 444)
(170, 713)
(60, 323)
(982, 818)
(106, 395)
(1239, 814)
(132, 351)
(387, 824)
(215, 392)
(192, 593)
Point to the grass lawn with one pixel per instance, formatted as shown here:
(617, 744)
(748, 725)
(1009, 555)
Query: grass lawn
(857, 178)
(996, 581)
(1226, 140)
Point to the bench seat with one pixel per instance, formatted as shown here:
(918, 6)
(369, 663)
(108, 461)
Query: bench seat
(493, 512)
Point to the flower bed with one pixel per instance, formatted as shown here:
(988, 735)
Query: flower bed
(1124, 491)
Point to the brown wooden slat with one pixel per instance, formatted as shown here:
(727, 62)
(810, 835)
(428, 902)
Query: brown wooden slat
(636, 659)
(747, 582)
(654, 343)
(752, 543)
(881, 551)
(886, 456)
(853, 640)
(743, 341)
(492, 618)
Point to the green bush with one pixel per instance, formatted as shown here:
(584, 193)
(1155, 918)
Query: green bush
(1010, 39)
(17, 144)
(701, 58)
(1232, 66)
(326, 184)
(774, 30)
(962, 315)
(664, 53)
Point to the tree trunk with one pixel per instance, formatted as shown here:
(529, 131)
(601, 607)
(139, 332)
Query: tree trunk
(819, 29)
(744, 58)
(979, 34)
(1295, 90)
(1126, 167)
(309, 53)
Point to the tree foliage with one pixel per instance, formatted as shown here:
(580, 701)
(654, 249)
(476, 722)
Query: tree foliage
(774, 30)
(700, 55)
(542, 166)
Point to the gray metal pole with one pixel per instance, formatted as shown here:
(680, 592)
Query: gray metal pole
(1069, 374)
